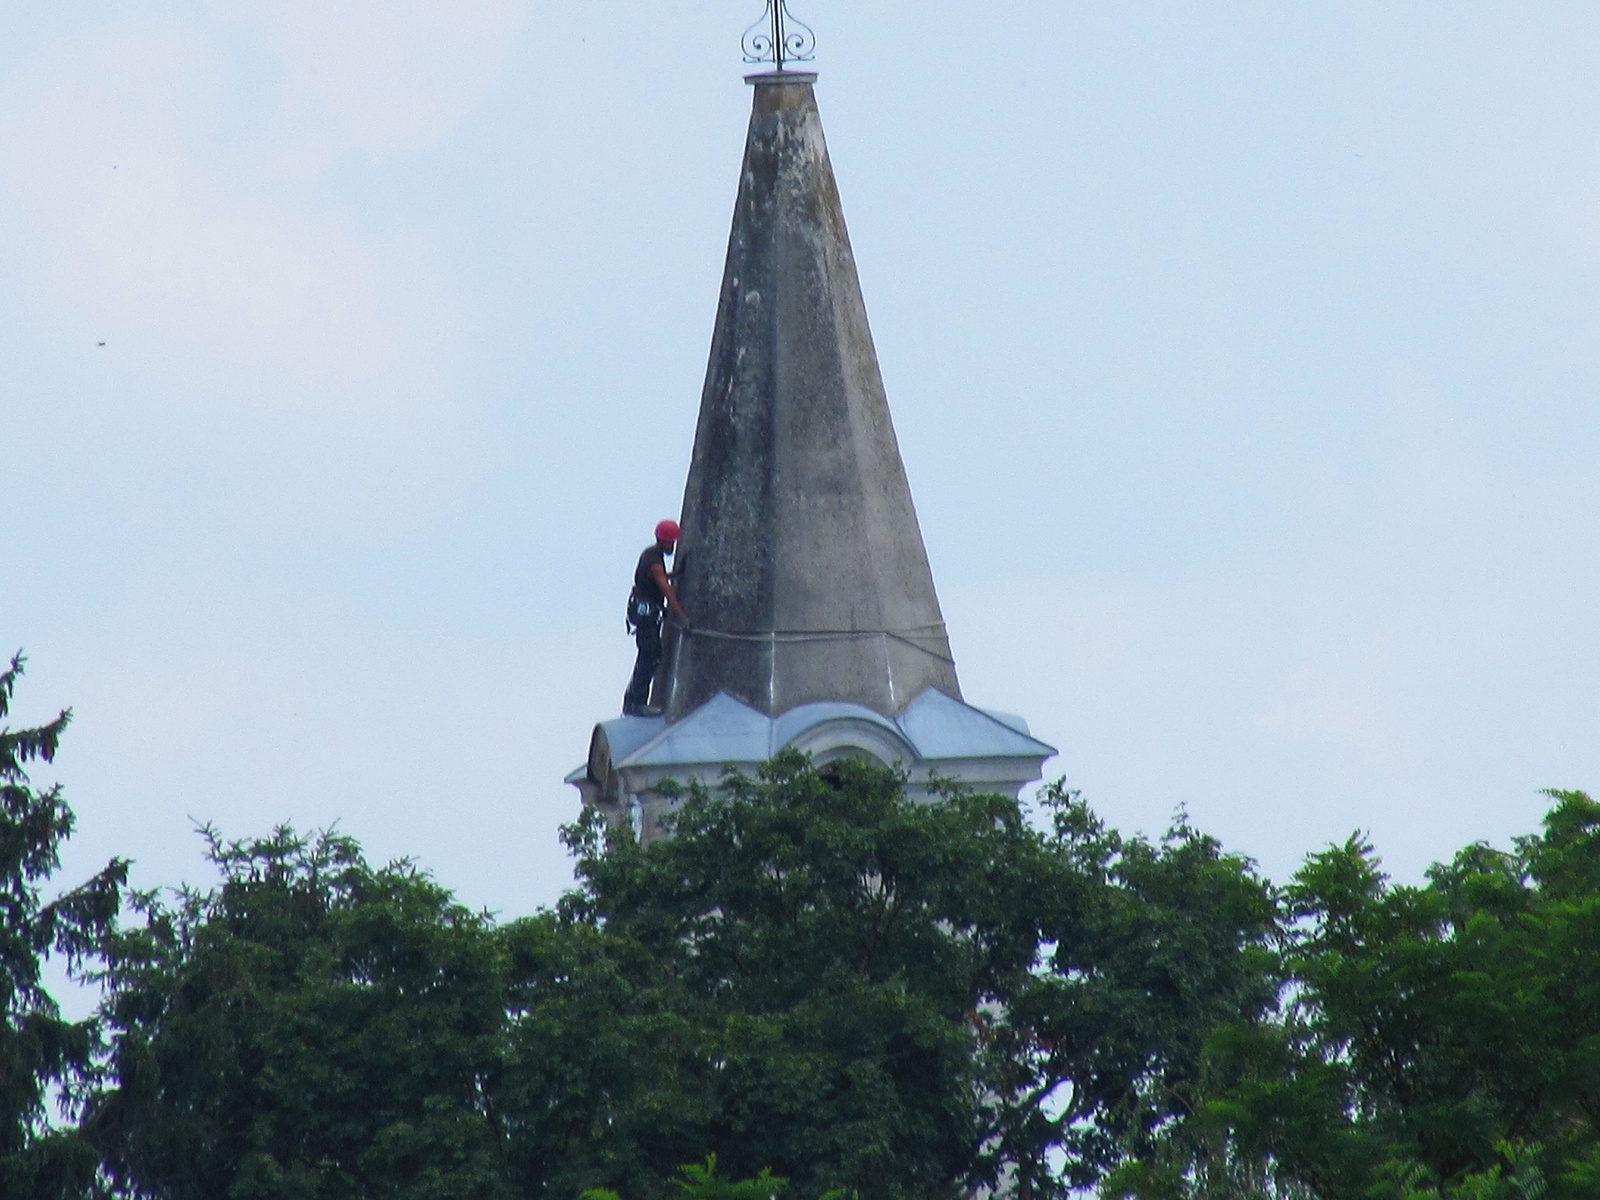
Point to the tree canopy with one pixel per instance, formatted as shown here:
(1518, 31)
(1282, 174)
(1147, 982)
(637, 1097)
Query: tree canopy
(1440, 1040)
(816, 987)
(40, 1053)
(310, 1027)
(912, 998)
(815, 976)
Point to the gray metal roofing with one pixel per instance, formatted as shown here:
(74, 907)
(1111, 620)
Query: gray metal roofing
(935, 726)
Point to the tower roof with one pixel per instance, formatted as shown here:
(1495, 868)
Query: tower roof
(801, 565)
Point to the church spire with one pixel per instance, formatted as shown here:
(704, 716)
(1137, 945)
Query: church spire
(801, 564)
(815, 626)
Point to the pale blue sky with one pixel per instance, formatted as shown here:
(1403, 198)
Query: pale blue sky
(1243, 357)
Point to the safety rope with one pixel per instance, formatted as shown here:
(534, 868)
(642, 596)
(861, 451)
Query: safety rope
(789, 637)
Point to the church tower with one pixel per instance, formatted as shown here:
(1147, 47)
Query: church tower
(813, 617)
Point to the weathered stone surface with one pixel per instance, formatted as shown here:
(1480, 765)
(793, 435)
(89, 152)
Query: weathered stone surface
(801, 564)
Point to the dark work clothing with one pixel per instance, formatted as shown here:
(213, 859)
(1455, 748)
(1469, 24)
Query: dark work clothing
(644, 582)
(647, 633)
(645, 609)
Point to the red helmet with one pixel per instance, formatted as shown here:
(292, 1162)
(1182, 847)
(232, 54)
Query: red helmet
(667, 531)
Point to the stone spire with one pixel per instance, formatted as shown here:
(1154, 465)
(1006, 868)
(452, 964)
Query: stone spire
(801, 564)
(815, 623)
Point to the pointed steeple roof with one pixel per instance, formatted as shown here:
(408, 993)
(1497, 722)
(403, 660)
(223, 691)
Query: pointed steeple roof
(801, 565)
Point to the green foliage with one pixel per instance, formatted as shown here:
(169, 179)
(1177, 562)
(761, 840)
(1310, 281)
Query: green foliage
(1438, 1041)
(824, 988)
(38, 1050)
(596, 1067)
(313, 1027)
(1152, 947)
(697, 1182)
(905, 998)
(1517, 1177)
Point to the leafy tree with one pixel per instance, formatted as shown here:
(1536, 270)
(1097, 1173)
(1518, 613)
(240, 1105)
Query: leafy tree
(311, 1028)
(910, 999)
(696, 1182)
(1436, 1041)
(594, 1081)
(829, 985)
(816, 978)
(39, 1051)
(1150, 948)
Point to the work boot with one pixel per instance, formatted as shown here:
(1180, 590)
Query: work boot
(630, 709)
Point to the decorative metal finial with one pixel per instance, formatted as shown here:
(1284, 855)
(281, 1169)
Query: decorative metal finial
(778, 38)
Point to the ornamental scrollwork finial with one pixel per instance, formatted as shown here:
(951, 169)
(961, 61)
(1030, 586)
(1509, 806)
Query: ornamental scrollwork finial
(778, 38)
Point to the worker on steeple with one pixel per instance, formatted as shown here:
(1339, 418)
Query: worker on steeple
(652, 595)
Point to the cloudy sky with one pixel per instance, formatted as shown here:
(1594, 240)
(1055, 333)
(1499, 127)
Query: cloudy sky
(1244, 359)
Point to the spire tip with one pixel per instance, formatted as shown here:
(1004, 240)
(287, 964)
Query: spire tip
(778, 38)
